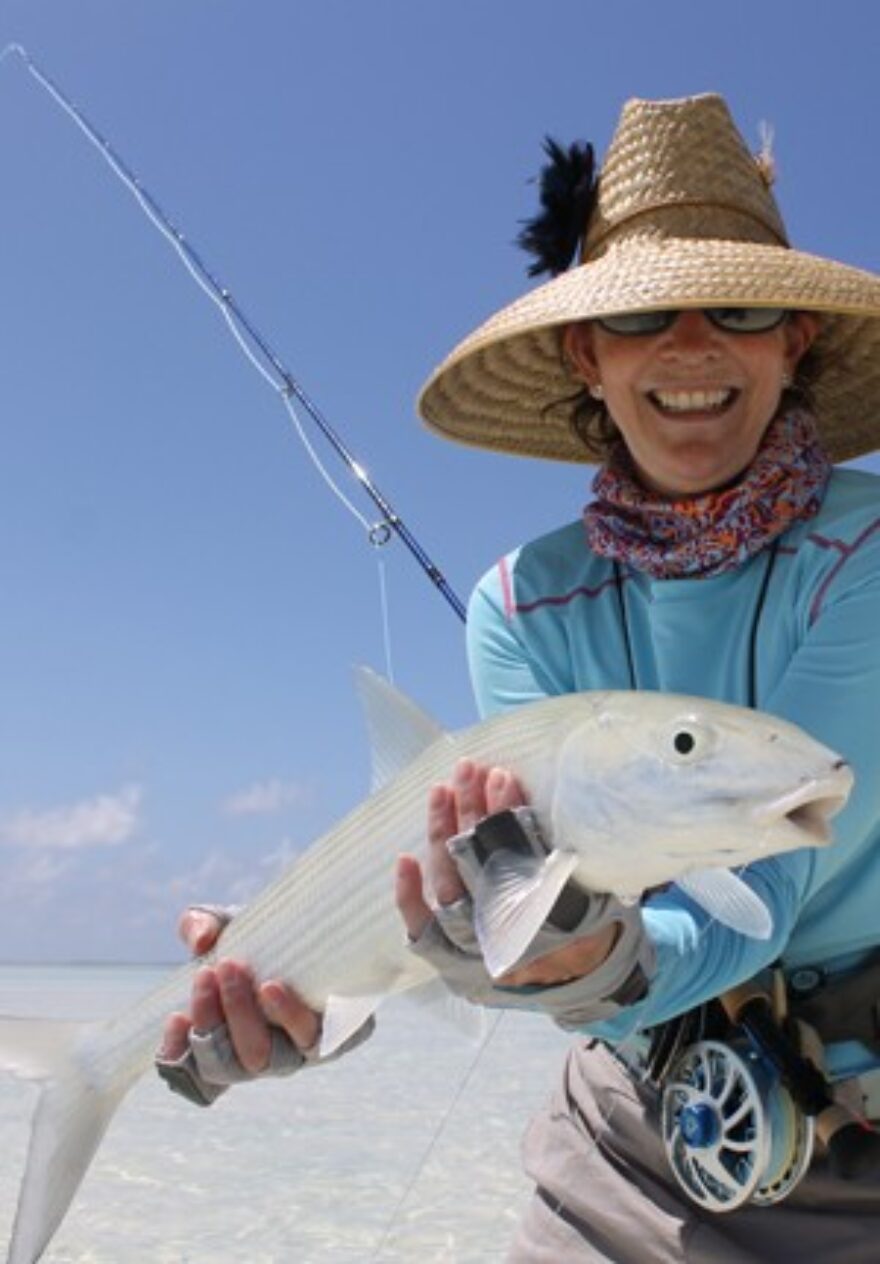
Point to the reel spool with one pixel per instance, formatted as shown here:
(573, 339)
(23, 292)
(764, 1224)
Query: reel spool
(731, 1131)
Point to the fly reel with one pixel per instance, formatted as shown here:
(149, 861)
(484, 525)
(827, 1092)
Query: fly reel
(731, 1130)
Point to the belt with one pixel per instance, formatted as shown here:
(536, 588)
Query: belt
(861, 1093)
(842, 1007)
(632, 1054)
(648, 1055)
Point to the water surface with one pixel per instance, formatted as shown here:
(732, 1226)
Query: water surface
(307, 1170)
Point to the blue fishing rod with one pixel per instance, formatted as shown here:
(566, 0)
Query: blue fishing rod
(252, 343)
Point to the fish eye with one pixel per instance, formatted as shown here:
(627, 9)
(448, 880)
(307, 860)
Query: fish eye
(688, 741)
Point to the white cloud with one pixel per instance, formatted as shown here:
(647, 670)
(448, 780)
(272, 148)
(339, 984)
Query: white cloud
(263, 798)
(104, 821)
(32, 877)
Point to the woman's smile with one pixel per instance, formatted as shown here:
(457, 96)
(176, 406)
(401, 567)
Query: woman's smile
(694, 403)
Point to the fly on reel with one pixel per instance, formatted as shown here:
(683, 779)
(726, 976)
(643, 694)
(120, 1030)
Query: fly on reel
(731, 1131)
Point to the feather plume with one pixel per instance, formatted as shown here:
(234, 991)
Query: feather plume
(567, 189)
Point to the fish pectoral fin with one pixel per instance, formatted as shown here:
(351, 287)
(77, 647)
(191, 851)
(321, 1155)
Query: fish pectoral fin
(343, 1016)
(512, 900)
(398, 730)
(728, 899)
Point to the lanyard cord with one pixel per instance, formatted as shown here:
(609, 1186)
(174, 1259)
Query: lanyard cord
(757, 613)
(756, 622)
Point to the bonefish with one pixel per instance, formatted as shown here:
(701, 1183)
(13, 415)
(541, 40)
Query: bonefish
(632, 791)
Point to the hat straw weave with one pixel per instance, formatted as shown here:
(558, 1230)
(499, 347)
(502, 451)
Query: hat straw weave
(683, 218)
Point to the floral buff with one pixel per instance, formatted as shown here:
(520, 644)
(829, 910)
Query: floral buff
(699, 536)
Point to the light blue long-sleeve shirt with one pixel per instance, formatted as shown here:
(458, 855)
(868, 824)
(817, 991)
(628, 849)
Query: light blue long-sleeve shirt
(550, 619)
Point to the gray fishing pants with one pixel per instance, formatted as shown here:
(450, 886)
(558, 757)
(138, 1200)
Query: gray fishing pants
(597, 1150)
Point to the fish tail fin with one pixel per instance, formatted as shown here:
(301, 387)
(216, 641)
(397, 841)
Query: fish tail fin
(71, 1117)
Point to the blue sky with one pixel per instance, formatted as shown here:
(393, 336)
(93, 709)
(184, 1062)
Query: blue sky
(182, 598)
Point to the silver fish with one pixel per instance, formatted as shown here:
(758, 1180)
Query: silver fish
(634, 790)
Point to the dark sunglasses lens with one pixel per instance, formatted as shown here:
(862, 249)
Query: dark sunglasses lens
(637, 322)
(734, 320)
(746, 320)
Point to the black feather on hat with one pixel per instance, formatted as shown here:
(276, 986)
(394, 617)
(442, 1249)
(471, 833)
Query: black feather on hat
(567, 188)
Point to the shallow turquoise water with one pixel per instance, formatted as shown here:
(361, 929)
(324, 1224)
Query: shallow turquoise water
(308, 1170)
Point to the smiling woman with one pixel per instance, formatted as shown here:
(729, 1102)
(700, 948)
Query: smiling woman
(716, 373)
(693, 398)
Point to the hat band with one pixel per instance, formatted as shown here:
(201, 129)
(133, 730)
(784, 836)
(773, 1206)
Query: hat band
(591, 246)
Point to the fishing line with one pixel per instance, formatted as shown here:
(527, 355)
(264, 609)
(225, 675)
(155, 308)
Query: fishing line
(253, 345)
(438, 1131)
(386, 621)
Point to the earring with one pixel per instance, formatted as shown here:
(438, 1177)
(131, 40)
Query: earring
(786, 380)
(596, 391)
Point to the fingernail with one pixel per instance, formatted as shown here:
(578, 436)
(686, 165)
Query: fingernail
(497, 779)
(272, 994)
(229, 975)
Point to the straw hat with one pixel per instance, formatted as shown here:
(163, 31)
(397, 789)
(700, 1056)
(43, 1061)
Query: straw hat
(683, 216)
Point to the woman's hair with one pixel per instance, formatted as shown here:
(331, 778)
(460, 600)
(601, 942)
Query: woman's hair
(593, 426)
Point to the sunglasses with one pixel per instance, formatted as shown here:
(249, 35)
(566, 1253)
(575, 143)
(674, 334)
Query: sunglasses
(733, 320)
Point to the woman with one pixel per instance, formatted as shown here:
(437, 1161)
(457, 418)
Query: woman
(714, 371)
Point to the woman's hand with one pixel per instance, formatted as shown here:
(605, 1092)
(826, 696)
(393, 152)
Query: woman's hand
(227, 994)
(477, 791)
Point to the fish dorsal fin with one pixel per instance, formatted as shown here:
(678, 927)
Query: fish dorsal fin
(512, 900)
(343, 1016)
(397, 729)
(728, 899)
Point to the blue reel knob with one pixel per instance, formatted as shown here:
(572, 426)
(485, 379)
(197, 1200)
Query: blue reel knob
(698, 1124)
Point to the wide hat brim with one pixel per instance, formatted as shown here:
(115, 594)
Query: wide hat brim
(508, 386)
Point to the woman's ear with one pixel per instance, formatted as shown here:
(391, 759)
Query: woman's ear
(801, 331)
(577, 344)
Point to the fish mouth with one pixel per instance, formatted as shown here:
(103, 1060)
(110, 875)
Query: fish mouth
(810, 807)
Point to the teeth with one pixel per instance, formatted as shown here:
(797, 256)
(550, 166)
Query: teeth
(692, 401)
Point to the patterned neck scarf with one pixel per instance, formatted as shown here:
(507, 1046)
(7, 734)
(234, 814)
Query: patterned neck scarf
(708, 534)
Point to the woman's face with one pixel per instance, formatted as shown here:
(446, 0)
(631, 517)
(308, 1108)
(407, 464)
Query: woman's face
(693, 401)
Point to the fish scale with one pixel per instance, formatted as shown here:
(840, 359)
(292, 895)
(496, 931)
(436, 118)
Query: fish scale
(307, 948)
